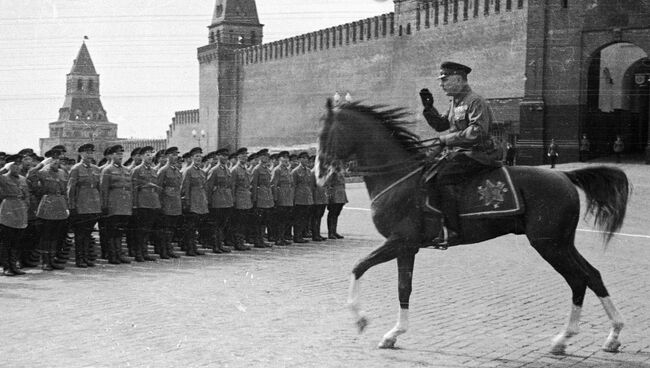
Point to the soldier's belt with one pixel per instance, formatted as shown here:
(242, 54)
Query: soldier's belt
(125, 188)
(147, 189)
(87, 185)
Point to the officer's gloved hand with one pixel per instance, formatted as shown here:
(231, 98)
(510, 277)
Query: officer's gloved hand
(427, 98)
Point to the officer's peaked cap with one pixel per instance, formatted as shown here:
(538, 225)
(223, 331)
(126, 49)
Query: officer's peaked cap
(136, 151)
(54, 153)
(60, 148)
(25, 151)
(451, 68)
(88, 147)
(14, 158)
(2, 154)
(196, 150)
(146, 149)
(303, 155)
(114, 149)
(242, 151)
(222, 152)
(262, 152)
(171, 150)
(283, 154)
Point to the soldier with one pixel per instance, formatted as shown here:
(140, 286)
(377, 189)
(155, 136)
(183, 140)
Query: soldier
(262, 197)
(195, 201)
(271, 226)
(293, 161)
(130, 164)
(232, 160)
(53, 211)
(320, 203)
(335, 187)
(304, 197)
(146, 203)
(3, 161)
(219, 188)
(14, 204)
(84, 202)
(242, 193)
(117, 202)
(169, 181)
(101, 223)
(29, 255)
(283, 193)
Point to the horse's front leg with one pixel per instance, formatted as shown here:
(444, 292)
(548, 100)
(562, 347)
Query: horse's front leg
(384, 253)
(405, 271)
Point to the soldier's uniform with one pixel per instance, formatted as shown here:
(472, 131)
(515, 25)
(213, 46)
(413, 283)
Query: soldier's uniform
(335, 187)
(117, 205)
(220, 195)
(146, 204)
(303, 198)
(242, 193)
(195, 203)
(169, 181)
(14, 205)
(101, 223)
(318, 209)
(84, 202)
(262, 198)
(283, 195)
(52, 208)
(29, 255)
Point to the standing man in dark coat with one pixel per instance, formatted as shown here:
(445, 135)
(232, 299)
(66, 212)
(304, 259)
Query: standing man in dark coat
(283, 195)
(195, 201)
(319, 206)
(303, 197)
(117, 202)
(262, 197)
(84, 201)
(14, 205)
(471, 146)
(219, 189)
(169, 180)
(146, 203)
(242, 193)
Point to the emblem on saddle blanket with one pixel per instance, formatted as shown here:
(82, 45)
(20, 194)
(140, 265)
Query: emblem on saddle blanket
(488, 195)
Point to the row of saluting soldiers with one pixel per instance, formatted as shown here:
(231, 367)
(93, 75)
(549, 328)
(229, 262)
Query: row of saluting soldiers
(220, 199)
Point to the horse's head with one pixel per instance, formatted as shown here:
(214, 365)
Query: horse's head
(337, 139)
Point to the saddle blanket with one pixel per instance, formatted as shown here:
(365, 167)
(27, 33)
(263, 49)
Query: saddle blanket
(491, 194)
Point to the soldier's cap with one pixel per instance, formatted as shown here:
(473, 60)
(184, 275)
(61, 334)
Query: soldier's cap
(293, 156)
(136, 151)
(252, 156)
(146, 149)
(451, 68)
(114, 149)
(212, 154)
(274, 156)
(54, 153)
(60, 148)
(102, 161)
(13, 158)
(284, 154)
(303, 155)
(128, 162)
(88, 147)
(106, 151)
(196, 151)
(231, 156)
(242, 151)
(186, 155)
(205, 158)
(262, 152)
(2, 154)
(68, 161)
(33, 156)
(172, 150)
(25, 151)
(159, 153)
(222, 152)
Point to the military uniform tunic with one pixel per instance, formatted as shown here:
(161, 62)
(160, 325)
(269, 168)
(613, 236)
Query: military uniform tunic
(261, 193)
(52, 186)
(14, 198)
(320, 192)
(220, 187)
(242, 187)
(193, 191)
(169, 181)
(115, 183)
(304, 194)
(145, 187)
(83, 189)
(282, 186)
(336, 188)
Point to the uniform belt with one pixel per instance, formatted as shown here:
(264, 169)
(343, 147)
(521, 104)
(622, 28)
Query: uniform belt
(148, 189)
(126, 188)
(172, 188)
(197, 186)
(92, 186)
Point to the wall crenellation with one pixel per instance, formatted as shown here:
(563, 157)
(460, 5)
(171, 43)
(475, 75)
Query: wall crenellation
(424, 15)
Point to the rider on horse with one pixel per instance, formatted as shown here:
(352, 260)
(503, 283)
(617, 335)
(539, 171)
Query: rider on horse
(470, 147)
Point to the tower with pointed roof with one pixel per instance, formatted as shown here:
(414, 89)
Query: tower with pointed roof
(235, 25)
(82, 118)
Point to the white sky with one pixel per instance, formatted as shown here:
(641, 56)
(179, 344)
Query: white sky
(143, 50)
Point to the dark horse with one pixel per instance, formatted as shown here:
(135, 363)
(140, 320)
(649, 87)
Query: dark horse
(392, 160)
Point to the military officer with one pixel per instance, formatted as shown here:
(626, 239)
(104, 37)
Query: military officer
(303, 197)
(84, 202)
(335, 187)
(146, 203)
(262, 197)
(117, 202)
(219, 188)
(101, 223)
(195, 201)
(29, 255)
(242, 193)
(50, 183)
(320, 203)
(130, 164)
(169, 180)
(14, 205)
(283, 193)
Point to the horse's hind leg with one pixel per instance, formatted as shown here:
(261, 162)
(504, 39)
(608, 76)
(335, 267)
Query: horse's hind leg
(559, 255)
(384, 253)
(405, 263)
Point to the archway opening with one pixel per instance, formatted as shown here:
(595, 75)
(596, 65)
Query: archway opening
(618, 100)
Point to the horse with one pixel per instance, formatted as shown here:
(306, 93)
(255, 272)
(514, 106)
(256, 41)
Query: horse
(390, 158)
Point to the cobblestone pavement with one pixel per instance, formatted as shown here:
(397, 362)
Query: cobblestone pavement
(495, 304)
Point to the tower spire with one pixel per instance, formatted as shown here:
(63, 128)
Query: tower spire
(83, 64)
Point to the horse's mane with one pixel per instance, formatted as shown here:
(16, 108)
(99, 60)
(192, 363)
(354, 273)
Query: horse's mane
(392, 120)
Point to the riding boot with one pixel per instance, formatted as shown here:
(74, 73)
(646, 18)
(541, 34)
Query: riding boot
(169, 235)
(111, 250)
(330, 228)
(13, 262)
(448, 204)
(335, 222)
(46, 265)
(118, 251)
(88, 251)
(162, 246)
(144, 249)
(78, 253)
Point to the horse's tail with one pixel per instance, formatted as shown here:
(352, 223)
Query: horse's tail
(607, 190)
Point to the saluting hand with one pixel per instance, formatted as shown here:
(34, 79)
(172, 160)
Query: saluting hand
(427, 98)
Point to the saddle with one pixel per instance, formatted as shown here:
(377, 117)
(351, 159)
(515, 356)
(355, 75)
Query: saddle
(486, 195)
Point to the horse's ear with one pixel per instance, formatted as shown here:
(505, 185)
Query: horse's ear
(330, 105)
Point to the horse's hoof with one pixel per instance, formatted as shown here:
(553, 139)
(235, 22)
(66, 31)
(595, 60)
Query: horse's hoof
(611, 346)
(362, 323)
(387, 343)
(559, 349)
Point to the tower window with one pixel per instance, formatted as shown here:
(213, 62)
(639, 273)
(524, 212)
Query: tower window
(408, 29)
(90, 86)
(400, 30)
(565, 4)
(253, 38)
(80, 85)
